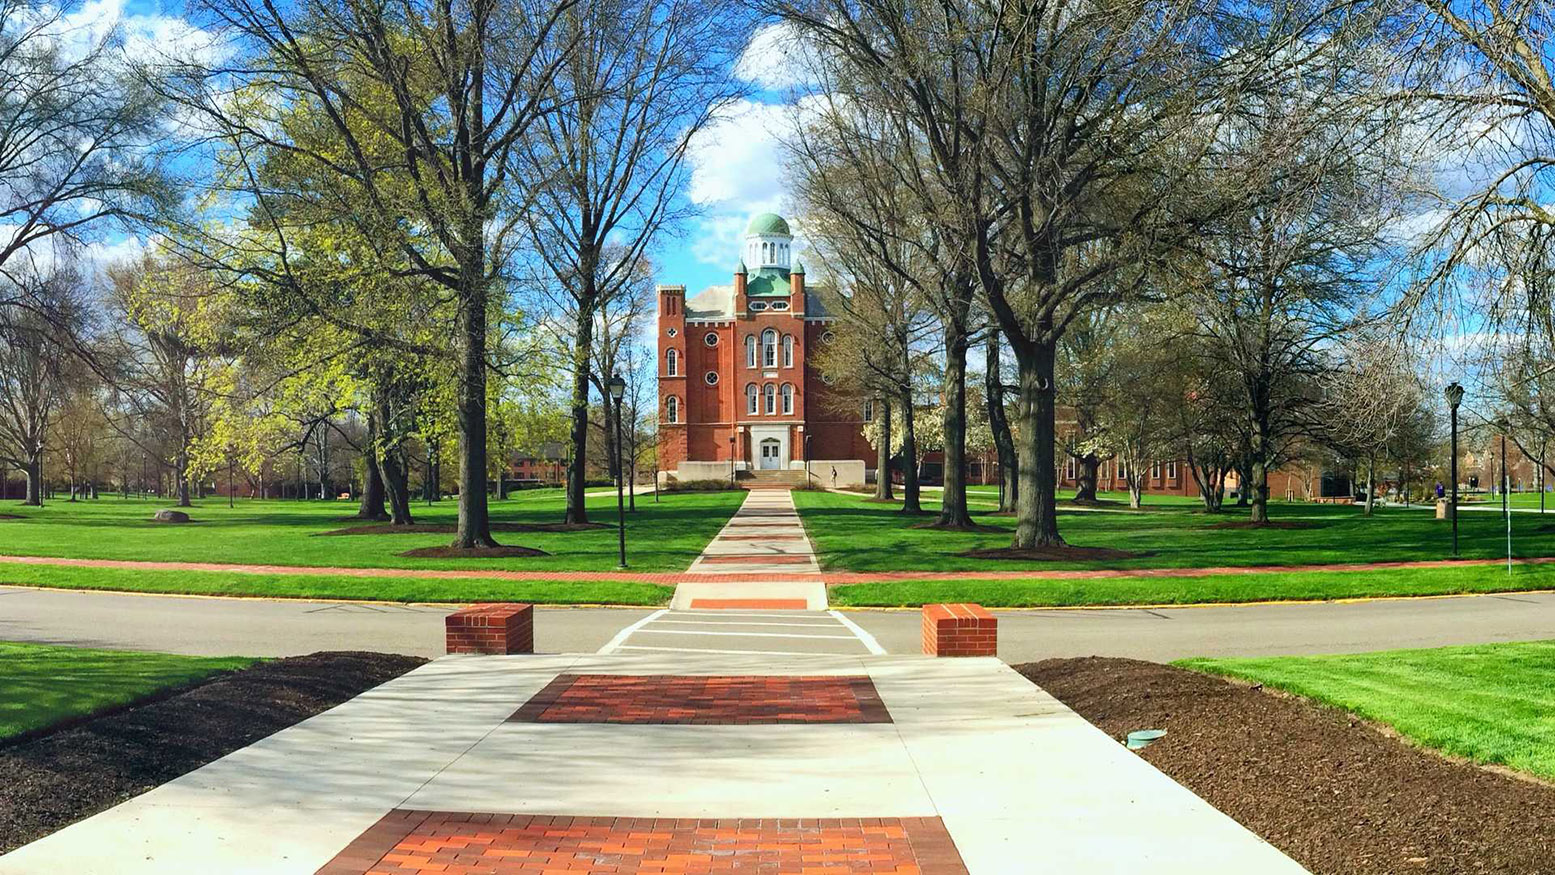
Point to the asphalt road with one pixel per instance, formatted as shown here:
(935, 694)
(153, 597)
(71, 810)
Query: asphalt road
(257, 627)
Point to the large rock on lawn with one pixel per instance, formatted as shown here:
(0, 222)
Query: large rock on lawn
(171, 516)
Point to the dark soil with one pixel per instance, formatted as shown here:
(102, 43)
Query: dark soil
(51, 781)
(1052, 554)
(11, 516)
(450, 528)
(473, 553)
(1333, 792)
(1271, 524)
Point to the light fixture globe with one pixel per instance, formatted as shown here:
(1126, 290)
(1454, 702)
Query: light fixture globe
(1454, 395)
(617, 388)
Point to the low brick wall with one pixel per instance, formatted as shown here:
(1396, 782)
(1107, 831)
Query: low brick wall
(499, 629)
(959, 630)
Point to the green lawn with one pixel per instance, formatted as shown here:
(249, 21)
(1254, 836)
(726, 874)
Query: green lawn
(661, 536)
(326, 586)
(40, 685)
(853, 534)
(1492, 703)
(1274, 586)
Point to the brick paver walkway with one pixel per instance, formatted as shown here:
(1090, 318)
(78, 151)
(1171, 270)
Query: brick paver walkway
(458, 843)
(705, 700)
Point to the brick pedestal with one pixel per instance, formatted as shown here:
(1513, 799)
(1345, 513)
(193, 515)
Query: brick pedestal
(492, 629)
(959, 630)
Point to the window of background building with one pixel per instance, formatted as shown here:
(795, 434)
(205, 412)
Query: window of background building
(788, 399)
(1069, 469)
(672, 409)
(710, 338)
(1171, 470)
(769, 353)
(1155, 470)
(711, 378)
(672, 363)
(750, 350)
(788, 350)
(769, 397)
(750, 399)
(869, 410)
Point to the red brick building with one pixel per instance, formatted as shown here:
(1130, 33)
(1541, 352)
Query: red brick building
(735, 382)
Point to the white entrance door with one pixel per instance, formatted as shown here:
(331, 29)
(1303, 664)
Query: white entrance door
(769, 454)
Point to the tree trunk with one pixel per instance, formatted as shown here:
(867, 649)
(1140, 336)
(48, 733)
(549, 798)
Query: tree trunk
(1371, 483)
(34, 471)
(396, 486)
(1259, 475)
(474, 518)
(1089, 466)
(182, 462)
(999, 423)
(582, 355)
(883, 454)
(1036, 506)
(1136, 489)
(371, 507)
(910, 499)
(953, 508)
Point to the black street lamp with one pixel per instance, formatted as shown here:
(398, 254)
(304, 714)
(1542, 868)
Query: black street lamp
(618, 389)
(1454, 395)
(731, 460)
(807, 460)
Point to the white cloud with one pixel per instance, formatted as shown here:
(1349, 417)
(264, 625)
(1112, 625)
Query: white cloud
(776, 58)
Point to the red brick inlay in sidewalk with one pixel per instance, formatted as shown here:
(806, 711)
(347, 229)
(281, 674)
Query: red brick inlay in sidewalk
(759, 559)
(462, 843)
(712, 701)
(751, 604)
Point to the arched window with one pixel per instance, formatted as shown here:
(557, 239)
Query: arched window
(750, 350)
(766, 253)
(788, 399)
(769, 399)
(672, 363)
(750, 400)
(672, 409)
(788, 350)
(769, 344)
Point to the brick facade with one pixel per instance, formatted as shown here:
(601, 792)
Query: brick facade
(755, 334)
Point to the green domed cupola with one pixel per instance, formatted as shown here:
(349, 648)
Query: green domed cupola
(768, 243)
(768, 224)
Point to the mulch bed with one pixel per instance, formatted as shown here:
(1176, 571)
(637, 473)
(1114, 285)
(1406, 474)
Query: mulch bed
(1271, 524)
(1051, 554)
(450, 528)
(51, 781)
(472, 553)
(1334, 793)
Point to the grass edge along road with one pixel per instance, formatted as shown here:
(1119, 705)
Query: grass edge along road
(1293, 586)
(42, 685)
(326, 587)
(1489, 703)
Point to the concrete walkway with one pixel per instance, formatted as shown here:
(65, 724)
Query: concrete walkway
(726, 603)
(636, 763)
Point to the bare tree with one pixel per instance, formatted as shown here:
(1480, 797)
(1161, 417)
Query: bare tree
(1368, 397)
(642, 79)
(36, 344)
(79, 132)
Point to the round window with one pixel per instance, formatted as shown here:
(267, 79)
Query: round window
(711, 378)
(828, 379)
(827, 337)
(673, 332)
(711, 338)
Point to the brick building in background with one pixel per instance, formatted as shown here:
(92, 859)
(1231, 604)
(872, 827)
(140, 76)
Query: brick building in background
(735, 381)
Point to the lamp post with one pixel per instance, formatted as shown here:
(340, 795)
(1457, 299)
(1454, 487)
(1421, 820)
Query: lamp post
(1454, 396)
(618, 389)
(807, 460)
(731, 460)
